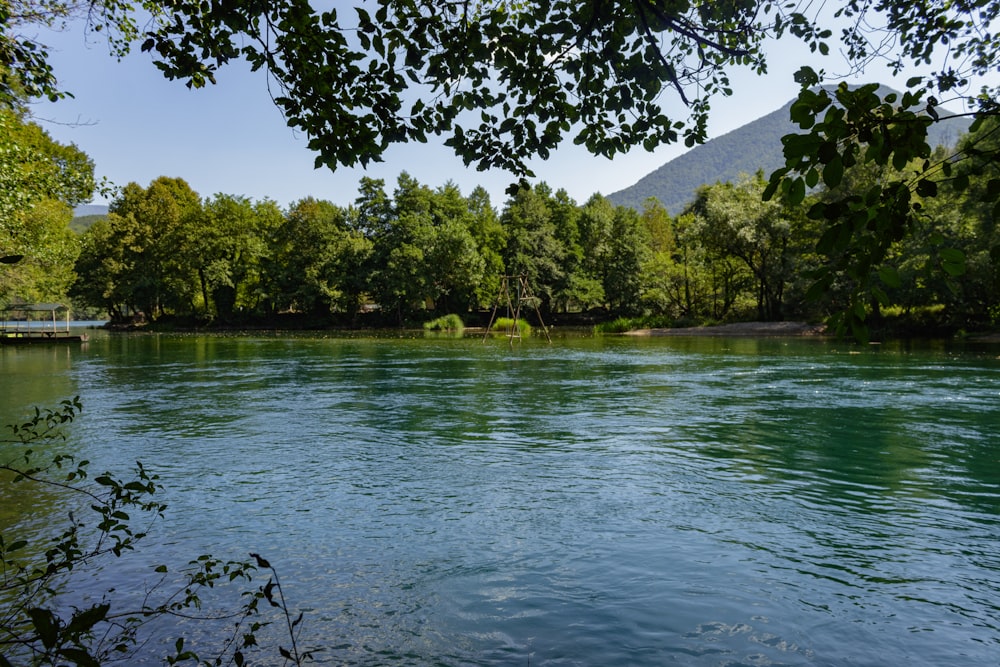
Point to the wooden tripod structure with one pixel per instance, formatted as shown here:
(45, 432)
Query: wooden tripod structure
(521, 296)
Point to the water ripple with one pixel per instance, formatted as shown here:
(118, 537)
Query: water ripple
(593, 502)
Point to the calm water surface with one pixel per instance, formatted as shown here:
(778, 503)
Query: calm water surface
(590, 502)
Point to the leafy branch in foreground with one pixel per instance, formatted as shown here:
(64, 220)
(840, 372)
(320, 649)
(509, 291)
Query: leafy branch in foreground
(45, 621)
(852, 128)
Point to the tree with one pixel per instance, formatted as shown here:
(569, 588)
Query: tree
(734, 222)
(850, 127)
(659, 228)
(658, 265)
(40, 179)
(533, 250)
(627, 252)
(139, 260)
(226, 244)
(491, 239)
(34, 167)
(982, 255)
(303, 251)
(595, 222)
(425, 252)
(458, 266)
(692, 285)
(102, 269)
(46, 271)
(956, 229)
(505, 81)
(401, 280)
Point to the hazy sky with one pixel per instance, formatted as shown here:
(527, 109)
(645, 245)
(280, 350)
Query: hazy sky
(230, 138)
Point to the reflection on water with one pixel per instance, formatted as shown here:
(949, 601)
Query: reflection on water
(592, 502)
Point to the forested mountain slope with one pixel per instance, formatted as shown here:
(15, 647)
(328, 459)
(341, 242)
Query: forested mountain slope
(756, 145)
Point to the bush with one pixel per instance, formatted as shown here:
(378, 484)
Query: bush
(445, 323)
(42, 621)
(617, 325)
(623, 324)
(505, 325)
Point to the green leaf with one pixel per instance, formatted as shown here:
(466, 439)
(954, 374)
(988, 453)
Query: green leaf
(927, 188)
(84, 620)
(889, 276)
(80, 657)
(992, 189)
(772, 187)
(806, 77)
(20, 544)
(859, 311)
(952, 255)
(46, 625)
(827, 151)
(952, 261)
(828, 240)
(819, 288)
(802, 114)
(812, 178)
(833, 173)
(797, 192)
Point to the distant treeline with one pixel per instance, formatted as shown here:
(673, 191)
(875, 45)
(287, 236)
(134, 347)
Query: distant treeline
(417, 252)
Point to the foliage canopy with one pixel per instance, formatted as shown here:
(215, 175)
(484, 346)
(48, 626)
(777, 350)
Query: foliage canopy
(506, 81)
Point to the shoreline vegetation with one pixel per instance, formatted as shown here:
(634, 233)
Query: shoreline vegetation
(738, 329)
(475, 325)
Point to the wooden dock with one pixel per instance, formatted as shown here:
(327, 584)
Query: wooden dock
(18, 328)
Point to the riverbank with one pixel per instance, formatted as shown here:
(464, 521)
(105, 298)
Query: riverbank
(739, 329)
(475, 323)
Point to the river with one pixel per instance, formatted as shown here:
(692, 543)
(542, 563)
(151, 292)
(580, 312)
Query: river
(594, 501)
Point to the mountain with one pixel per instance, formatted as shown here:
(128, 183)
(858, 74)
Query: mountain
(82, 223)
(85, 216)
(90, 209)
(756, 145)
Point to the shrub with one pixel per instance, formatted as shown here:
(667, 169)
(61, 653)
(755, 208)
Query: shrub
(505, 325)
(450, 322)
(623, 324)
(617, 325)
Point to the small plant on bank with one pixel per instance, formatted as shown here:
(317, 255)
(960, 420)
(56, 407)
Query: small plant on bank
(505, 325)
(43, 622)
(450, 322)
(617, 325)
(623, 324)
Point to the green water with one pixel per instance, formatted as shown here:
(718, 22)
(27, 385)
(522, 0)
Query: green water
(608, 501)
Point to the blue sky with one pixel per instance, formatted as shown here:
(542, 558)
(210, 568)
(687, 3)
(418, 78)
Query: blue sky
(229, 138)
